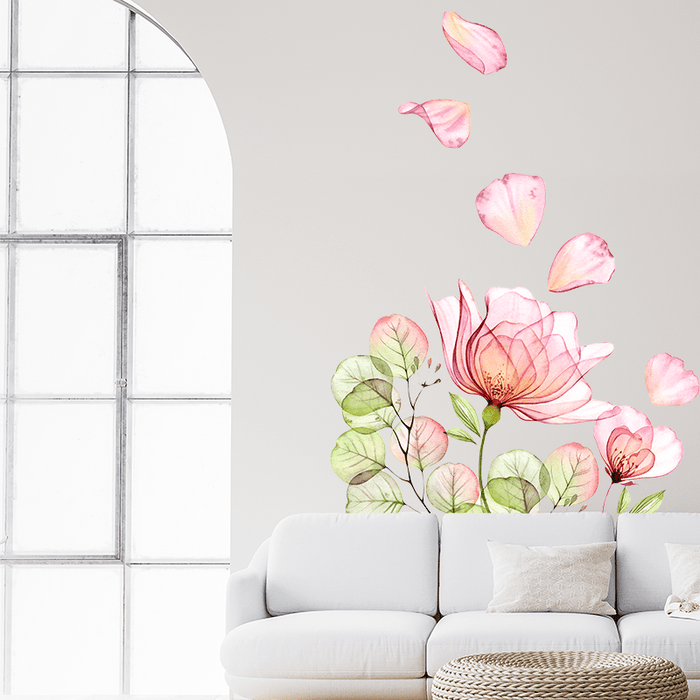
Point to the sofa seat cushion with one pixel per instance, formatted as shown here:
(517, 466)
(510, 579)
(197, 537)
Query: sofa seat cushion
(479, 632)
(657, 634)
(330, 644)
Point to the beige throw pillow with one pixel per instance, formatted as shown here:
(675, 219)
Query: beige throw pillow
(570, 578)
(684, 562)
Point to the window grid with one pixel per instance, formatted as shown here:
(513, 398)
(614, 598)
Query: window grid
(123, 241)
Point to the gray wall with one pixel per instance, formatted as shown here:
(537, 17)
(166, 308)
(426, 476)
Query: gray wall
(345, 210)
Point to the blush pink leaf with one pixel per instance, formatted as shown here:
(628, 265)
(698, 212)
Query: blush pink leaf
(574, 474)
(452, 488)
(478, 45)
(449, 120)
(426, 446)
(668, 382)
(400, 342)
(513, 207)
(585, 259)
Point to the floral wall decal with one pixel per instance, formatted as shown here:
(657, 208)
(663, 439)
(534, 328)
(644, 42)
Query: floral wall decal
(478, 45)
(450, 121)
(584, 259)
(513, 207)
(668, 382)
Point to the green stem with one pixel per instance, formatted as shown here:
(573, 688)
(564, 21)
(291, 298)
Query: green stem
(481, 482)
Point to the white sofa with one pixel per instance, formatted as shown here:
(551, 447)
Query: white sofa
(349, 606)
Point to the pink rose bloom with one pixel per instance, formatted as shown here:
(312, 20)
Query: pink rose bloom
(522, 355)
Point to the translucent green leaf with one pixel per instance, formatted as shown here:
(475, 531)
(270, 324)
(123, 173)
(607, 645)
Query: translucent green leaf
(400, 342)
(514, 493)
(649, 504)
(367, 397)
(476, 508)
(354, 370)
(545, 479)
(372, 422)
(452, 488)
(574, 473)
(460, 434)
(624, 500)
(466, 413)
(522, 465)
(381, 494)
(357, 457)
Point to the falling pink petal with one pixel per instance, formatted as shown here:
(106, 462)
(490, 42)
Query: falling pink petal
(513, 207)
(585, 259)
(668, 382)
(449, 120)
(478, 45)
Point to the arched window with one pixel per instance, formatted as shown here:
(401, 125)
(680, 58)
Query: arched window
(115, 248)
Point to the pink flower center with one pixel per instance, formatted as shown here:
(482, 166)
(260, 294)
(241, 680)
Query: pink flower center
(627, 458)
(497, 387)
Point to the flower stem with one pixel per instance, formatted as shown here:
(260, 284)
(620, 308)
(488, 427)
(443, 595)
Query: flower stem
(481, 482)
(490, 415)
(606, 496)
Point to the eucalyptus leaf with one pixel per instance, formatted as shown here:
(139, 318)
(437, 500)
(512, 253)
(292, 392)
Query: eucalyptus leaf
(574, 474)
(357, 454)
(356, 369)
(466, 413)
(372, 422)
(514, 493)
(452, 488)
(649, 504)
(367, 397)
(624, 500)
(400, 342)
(545, 479)
(460, 434)
(381, 494)
(522, 465)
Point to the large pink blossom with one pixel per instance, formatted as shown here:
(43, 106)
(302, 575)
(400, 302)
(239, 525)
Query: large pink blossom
(632, 449)
(522, 355)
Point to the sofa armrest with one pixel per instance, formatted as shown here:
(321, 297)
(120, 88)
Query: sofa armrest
(245, 591)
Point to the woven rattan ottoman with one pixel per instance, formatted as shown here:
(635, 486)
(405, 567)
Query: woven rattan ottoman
(560, 675)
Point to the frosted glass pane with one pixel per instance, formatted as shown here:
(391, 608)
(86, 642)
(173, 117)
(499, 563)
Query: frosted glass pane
(72, 35)
(182, 317)
(180, 466)
(66, 629)
(71, 153)
(66, 320)
(4, 87)
(4, 35)
(177, 628)
(182, 161)
(155, 50)
(64, 477)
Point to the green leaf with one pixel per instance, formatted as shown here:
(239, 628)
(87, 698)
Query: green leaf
(452, 488)
(624, 501)
(466, 413)
(372, 422)
(460, 434)
(514, 493)
(357, 457)
(574, 474)
(523, 466)
(367, 397)
(649, 504)
(400, 342)
(476, 508)
(354, 370)
(545, 479)
(381, 494)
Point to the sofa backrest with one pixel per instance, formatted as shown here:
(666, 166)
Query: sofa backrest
(643, 573)
(353, 562)
(466, 573)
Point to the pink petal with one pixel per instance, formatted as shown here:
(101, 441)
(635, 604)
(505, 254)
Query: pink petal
(668, 382)
(585, 259)
(478, 45)
(449, 120)
(575, 406)
(428, 443)
(619, 417)
(667, 449)
(513, 207)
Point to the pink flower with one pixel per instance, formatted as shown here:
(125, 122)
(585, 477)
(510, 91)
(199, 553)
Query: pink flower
(632, 449)
(521, 355)
(513, 207)
(478, 45)
(585, 259)
(668, 382)
(449, 120)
